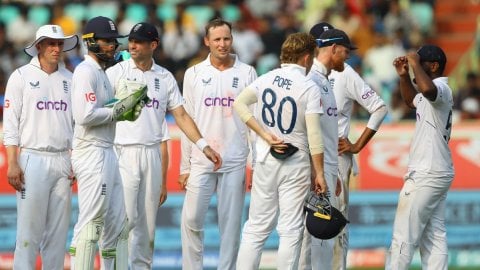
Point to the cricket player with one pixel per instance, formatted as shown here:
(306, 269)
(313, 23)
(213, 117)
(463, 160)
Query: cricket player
(420, 217)
(334, 48)
(287, 122)
(139, 143)
(37, 99)
(101, 202)
(209, 89)
(349, 87)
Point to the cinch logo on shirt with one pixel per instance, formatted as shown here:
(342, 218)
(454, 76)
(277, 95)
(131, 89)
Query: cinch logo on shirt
(90, 97)
(368, 94)
(52, 105)
(332, 111)
(154, 103)
(219, 101)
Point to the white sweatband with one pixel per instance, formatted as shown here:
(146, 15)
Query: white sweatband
(201, 144)
(314, 133)
(376, 118)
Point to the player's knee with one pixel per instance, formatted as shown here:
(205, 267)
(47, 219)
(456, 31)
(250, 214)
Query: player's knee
(192, 222)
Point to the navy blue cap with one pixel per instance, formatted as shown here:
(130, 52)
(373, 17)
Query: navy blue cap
(101, 27)
(144, 32)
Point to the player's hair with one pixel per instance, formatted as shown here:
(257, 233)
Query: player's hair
(296, 46)
(216, 22)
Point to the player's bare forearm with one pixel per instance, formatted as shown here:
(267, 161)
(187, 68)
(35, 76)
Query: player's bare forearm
(317, 164)
(345, 146)
(422, 80)
(407, 90)
(14, 172)
(186, 124)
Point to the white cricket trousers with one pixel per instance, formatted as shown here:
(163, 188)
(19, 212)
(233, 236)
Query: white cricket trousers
(141, 171)
(420, 222)
(43, 209)
(230, 188)
(316, 253)
(340, 250)
(278, 192)
(100, 197)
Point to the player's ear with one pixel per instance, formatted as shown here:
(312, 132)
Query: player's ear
(205, 41)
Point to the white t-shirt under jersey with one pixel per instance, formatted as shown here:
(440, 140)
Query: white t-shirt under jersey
(91, 90)
(37, 111)
(429, 151)
(164, 95)
(329, 119)
(285, 95)
(349, 87)
(209, 95)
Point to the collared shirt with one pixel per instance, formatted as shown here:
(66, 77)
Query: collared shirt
(37, 111)
(349, 87)
(285, 95)
(91, 91)
(209, 95)
(329, 119)
(164, 94)
(429, 151)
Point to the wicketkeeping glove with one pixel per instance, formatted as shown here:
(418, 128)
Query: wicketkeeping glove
(129, 100)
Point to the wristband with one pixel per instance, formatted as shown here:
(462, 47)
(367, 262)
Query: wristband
(201, 144)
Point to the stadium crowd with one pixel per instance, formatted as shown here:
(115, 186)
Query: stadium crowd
(381, 29)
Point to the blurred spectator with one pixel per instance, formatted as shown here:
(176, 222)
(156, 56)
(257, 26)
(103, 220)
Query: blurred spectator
(467, 99)
(21, 31)
(345, 20)
(179, 41)
(377, 64)
(247, 43)
(68, 24)
(399, 24)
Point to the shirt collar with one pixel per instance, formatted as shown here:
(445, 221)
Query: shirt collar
(320, 67)
(35, 62)
(296, 67)
(92, 61)
(132, 64)
(236, 63)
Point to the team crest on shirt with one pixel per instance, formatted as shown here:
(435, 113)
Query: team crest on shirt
(207, 82)
(35, 85)
(332, 82)
(235, 82)
(65, 87)
(157, 85)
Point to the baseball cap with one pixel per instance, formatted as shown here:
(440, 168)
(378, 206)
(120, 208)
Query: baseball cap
(323, 220)
(334, 36)
(55, 32)
(101, 27)
(319, 28)
(432, 53)
(144, 31)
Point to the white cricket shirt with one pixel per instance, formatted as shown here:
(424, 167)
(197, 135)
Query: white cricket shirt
(329, 118)
(349, 87)
(91, 91)
(164, 95)
(209, 95)
(429, 151)
(285, 95)
(37, 111)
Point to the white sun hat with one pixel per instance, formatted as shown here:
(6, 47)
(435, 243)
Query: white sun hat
(55, 32)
